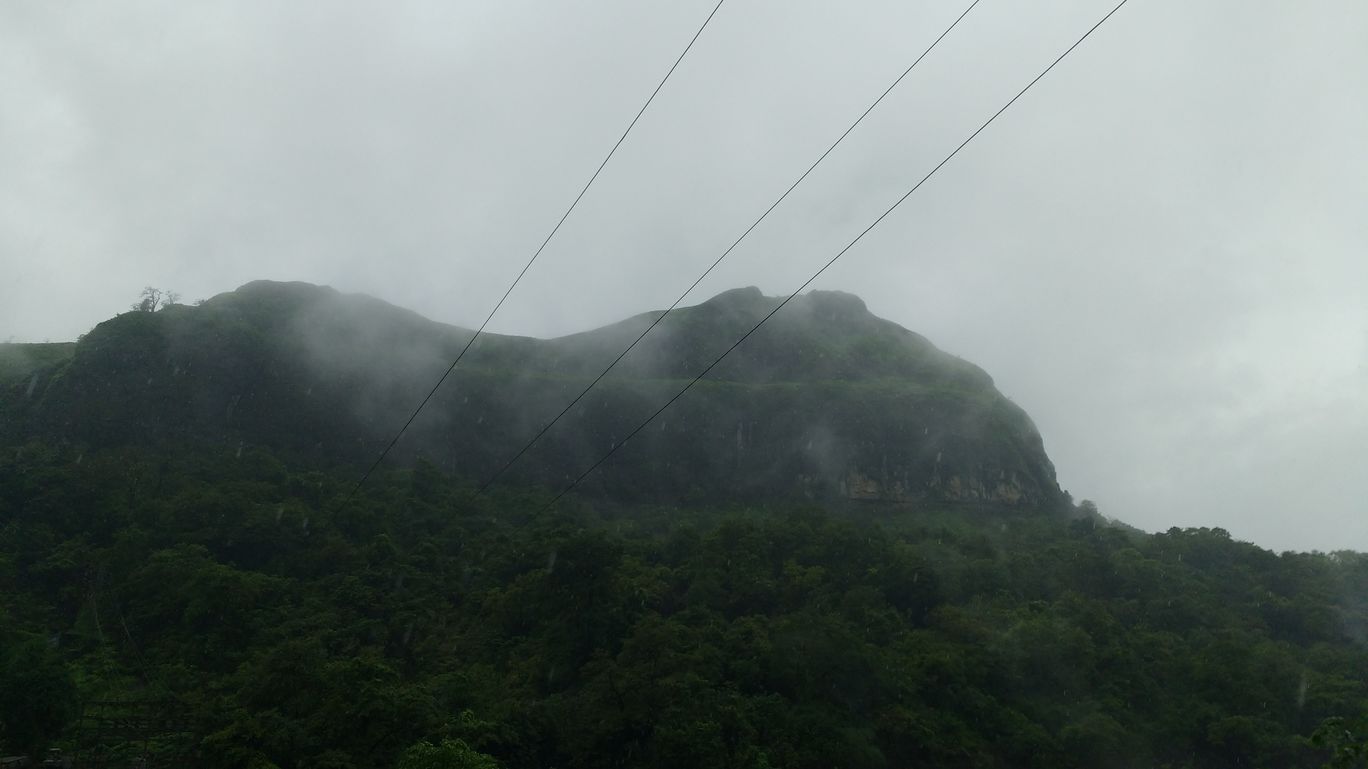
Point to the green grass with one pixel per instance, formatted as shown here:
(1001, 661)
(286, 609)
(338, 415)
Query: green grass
(21, 360)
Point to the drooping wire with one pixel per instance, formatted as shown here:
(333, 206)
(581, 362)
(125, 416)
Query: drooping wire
(528, 446)
(831, 261)
(538, 252)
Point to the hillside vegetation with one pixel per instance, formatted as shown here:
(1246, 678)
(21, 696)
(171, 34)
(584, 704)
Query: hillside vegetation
(827, 402)
(295, 626)
(845, 549)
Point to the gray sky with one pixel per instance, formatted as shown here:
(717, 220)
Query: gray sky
(1159, 252)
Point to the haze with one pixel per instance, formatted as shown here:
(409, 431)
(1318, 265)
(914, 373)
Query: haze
(1159, 252)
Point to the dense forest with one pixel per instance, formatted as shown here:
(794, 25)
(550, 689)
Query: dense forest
(846, 548)
(289, 622)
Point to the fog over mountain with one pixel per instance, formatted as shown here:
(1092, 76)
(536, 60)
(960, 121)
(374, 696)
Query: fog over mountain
(827, 404)
(1158, 252)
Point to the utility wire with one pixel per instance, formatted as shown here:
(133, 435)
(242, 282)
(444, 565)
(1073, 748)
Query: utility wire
(833, 259)
(724, 255)
(538, 252)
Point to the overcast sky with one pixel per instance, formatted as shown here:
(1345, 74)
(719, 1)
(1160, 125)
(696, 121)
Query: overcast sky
(1161, 252)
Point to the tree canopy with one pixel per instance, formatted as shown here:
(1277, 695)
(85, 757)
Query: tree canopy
(417, 624)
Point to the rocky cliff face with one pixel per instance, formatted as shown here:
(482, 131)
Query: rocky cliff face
(826, 401)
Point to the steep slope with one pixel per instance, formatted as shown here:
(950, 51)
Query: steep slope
(826, 401)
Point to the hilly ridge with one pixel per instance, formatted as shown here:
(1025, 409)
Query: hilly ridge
(826, 401)
(182, 541)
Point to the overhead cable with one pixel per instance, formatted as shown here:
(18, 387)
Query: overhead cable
(833, 259)
(526, 447)
(538, 252)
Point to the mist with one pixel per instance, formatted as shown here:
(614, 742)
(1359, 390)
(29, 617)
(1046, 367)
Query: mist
(1157, 253)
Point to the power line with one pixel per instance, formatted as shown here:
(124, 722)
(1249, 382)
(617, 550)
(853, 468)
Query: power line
(833, 259)
(526, 447)
(538, 252)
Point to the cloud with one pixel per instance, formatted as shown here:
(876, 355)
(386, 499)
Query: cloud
(1158, 252)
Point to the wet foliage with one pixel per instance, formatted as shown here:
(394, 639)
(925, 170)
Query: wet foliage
(417, 624)
(828, 401)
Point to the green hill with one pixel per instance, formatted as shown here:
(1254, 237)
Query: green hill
(846, 549)
(278, 621)
(825, 402)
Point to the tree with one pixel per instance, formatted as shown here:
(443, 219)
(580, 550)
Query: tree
(154, 299)
(451, 754)
(1346, 739)
(37, 697)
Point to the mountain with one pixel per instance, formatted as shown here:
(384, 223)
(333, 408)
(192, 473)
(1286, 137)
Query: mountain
(826, 401)
(190, 575)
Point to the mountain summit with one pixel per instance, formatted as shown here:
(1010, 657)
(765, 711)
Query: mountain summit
(825, 401)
